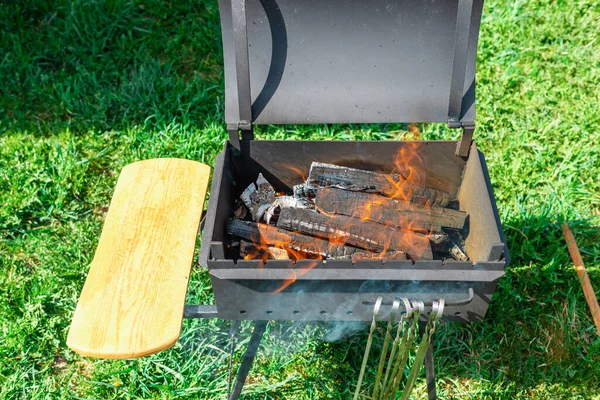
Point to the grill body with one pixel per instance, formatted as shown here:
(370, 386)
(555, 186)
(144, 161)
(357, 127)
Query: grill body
(341, 289)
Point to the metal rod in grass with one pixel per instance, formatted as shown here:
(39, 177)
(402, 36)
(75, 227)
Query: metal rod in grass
(386, 343)
(404, 350)
(437, 310)
(368, 348)
(232, 331)
(406, 315)
(584, 279)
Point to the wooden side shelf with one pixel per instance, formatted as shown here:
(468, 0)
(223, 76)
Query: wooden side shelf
(132, 302)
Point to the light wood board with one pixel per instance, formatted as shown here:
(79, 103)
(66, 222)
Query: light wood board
(132, 302)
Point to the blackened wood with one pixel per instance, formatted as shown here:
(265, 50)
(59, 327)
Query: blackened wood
(258, 197)
(388, 211)
(438, 238)
(270, 235)
(355, 232)
(439, 242)
(249, 250)
(391, 185)
(240, 211)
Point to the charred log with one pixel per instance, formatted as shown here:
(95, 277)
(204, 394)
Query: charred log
(367, 235)
(271, 236)
(388, 211)
(392, 185)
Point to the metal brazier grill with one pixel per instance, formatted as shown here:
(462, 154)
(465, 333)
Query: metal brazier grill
(350, 62)
(342, 289)
(308, 62)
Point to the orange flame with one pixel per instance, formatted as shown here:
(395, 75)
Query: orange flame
(408, 174)
(302, 173)
(294, 274)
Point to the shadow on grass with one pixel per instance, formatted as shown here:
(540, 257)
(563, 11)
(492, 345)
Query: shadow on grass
(108, 65)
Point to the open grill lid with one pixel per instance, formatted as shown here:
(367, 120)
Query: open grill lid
(349, 61)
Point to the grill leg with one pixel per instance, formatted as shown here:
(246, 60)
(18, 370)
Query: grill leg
(430, 374)
(429, 367)
(257, 334)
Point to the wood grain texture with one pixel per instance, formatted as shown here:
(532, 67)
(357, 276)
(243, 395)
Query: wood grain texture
(132, 302)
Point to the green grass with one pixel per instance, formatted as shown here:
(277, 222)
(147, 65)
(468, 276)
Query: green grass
(90, 86)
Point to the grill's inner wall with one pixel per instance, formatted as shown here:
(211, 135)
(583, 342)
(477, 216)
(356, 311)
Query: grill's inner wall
(286, 163)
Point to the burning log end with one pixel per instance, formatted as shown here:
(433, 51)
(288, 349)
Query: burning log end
(250, 250)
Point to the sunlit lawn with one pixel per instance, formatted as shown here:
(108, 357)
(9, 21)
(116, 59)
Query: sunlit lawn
(90, 86)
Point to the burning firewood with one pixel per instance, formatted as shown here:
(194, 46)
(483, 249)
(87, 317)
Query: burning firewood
(355, 232)
(392, 185)
(388, 211)
(270, 236)
(250, 250)
(258, 197)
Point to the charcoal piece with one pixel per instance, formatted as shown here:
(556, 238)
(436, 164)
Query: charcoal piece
(438, 238)
(239, 209)
(388, 211)
(258, 197)
(391, 185)
(355, 232)
(271, 236)
(250, 251)
(439, 242)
